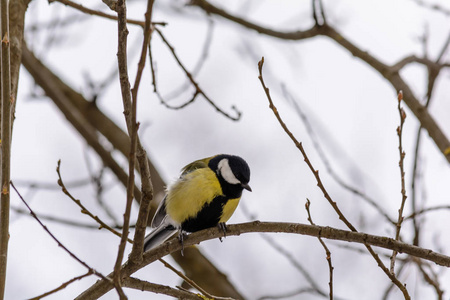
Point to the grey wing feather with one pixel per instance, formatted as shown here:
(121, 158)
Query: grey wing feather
(159, 235)
(160, 214)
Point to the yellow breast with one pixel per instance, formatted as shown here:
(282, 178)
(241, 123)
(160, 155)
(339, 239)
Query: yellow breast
(228, 209)
(187, 196)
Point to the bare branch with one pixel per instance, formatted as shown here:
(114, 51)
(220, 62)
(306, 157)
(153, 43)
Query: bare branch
(93, 271)
(144, 208)
(102, 287)
(102, 14)
(141, 285)
(327, 251)
(84, 210)
(7, 100)
(322, 187)
(130, 117)
(402, 176)
(198, 90)
(289, 294)
(432, 279)
(435, 7)
(191, 282)
(62, 286)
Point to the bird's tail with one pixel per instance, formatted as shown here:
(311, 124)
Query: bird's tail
(158, 236)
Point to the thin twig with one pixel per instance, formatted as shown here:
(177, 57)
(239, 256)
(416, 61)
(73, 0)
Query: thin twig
(400, 270)
(200, 63)
(288, 294)
(63, 221)
(434, 282)
(142, 285)
(132, 131)
(97, 182)
(102, 14)
(327, 251)
(41, 185)
(138, 246)
(322, 187)
(84, 210)
(90, 269)
(436, 7)
(402, 115)
(62, 286)
(198, 90)
(191, 282)
(425, 210)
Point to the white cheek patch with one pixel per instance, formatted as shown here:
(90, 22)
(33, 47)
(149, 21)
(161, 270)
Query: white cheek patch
(225, 171)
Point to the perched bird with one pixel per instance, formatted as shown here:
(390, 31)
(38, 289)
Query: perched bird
(206, 195)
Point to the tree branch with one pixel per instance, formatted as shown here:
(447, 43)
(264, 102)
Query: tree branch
(321, 186)
(141, 223)
(6, 102)
(102, 287)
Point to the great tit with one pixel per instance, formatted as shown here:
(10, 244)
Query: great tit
(206, 195)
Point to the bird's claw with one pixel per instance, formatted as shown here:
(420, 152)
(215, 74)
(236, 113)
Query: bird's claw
(222, 226)
(181, 239)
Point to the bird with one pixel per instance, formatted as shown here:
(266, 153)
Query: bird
(205, 195)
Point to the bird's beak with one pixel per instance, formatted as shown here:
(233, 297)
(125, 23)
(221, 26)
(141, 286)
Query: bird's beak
(246, 186)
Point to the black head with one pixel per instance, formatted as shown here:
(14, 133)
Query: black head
(233, 172)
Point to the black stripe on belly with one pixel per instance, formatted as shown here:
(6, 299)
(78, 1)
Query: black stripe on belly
(208, 216)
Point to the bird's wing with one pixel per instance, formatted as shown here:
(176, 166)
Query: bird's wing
(198, 164)
(160, 213)
(160, 234)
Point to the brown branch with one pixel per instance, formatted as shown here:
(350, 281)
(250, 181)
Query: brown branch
(62, 286)
(198, 90)
(191, 282)
(199, 64)
(292, 35)
(433, 282)
(141, 285)
(102, 14)
(5, 138)
(320, 184)
(101, 287)
(428, 209)
(436, 7)
(84, 210)
(288, 294)
(130, 108)
(141, 223)
(402, 115)
(63, 221)
(327, 251)
(93, 271)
